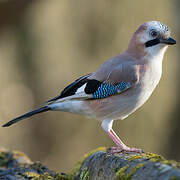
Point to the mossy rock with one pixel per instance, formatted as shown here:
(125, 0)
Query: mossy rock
(97, 164)
(17, 165)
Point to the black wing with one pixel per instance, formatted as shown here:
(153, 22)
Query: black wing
(72, 88)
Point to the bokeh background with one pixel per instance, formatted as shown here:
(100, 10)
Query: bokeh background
(46, 44)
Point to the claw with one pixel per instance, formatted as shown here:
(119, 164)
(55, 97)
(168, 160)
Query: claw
(117, 149)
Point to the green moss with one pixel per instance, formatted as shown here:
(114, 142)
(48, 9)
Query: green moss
(44, 176)
(157, 158)
(31, 175)
(171, 163)
(151, 156)
(24, 162)
(38, 167)
(121, 174)
(174, 178)
(134, 169)
(35, 176)
(154, 157)
(76, 168)
(70, 176)
(132, 158)
(63, 177)
(84, 174)
(4, 158)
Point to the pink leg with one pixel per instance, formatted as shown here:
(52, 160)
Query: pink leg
(107, 126)
(120, 145)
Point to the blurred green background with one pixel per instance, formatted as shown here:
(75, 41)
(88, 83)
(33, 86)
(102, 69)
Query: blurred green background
(45, 45)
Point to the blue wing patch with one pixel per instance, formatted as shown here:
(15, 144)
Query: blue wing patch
(106, 90)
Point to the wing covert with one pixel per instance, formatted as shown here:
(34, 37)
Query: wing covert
(106, 90)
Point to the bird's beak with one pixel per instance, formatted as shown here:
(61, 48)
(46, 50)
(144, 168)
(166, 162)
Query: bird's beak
(169, 41)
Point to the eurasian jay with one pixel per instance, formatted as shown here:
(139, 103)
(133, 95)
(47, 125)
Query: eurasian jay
(120, 86)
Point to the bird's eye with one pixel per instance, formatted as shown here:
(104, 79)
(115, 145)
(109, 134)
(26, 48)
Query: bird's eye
(153, 33)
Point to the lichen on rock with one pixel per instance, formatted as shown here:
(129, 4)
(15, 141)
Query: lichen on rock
(94, 165)
(17, 165)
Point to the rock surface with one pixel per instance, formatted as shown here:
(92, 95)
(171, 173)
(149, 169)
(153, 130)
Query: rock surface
(97, 165)
(131, 166)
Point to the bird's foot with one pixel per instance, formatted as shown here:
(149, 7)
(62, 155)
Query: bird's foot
(113, 150)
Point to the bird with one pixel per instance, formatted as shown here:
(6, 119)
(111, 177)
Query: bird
(119, 86)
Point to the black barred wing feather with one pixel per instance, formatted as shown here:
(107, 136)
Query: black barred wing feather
(106, 90)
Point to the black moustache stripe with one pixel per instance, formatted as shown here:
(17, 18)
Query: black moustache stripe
(152, 42)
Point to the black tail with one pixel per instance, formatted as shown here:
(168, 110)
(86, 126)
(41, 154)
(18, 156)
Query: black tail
(28, 114)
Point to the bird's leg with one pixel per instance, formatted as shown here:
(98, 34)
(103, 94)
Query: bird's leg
(120, 145)
(107, 126)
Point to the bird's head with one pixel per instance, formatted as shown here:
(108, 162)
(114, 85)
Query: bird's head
(150, 39)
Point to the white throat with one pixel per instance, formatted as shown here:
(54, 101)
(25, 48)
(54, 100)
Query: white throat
(156, 52)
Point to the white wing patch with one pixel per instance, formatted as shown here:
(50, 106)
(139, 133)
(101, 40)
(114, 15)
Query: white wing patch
(81, 89)
(79, 95)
